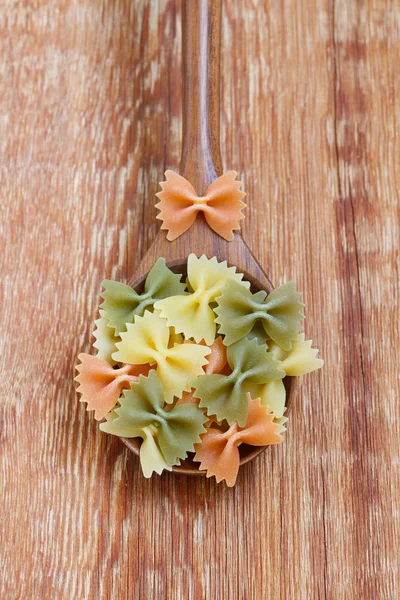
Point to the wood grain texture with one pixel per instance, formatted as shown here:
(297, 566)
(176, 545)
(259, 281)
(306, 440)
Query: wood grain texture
(90, 109)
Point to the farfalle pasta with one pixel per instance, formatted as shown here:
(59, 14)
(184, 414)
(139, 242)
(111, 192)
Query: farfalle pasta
(221, 205)
(143, 405)
(122, 303)
(300, 360)
(225, 395)
(147, 341)
(194, 365)
(192, 314)
(217, 362)
(279, 313)
(218, 452)
(101, 385)
(151, 457)
(105, 338)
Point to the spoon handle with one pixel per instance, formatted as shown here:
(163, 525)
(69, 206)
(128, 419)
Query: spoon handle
(201, 43)
(201, 157)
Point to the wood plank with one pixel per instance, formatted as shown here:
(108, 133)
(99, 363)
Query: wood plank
(90, 118)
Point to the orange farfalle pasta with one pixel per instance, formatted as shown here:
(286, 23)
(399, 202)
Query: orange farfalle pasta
(217, 362)
(218, 451)
(101, 385)
(221, 205)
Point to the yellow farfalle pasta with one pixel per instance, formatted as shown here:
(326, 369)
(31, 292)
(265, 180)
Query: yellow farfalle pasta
(300, 360)
(151, 458)
(147, 341)
(105, 338)
(192, 314)
(271, 394)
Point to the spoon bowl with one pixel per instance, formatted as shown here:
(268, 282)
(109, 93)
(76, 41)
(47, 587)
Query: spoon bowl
(247, 453)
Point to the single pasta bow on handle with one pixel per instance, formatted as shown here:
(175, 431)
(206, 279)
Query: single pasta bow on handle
(221, 205)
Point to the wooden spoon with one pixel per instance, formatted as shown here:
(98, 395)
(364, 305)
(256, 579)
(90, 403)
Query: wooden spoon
(201, 164)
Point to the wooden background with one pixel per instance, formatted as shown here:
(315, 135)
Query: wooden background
(89, 121)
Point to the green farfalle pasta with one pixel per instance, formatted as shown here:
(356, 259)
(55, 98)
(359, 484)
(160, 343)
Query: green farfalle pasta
(258, 332)
(122, 303)
(225, 395)
(143, 405)
(151, 457)
(279, 312)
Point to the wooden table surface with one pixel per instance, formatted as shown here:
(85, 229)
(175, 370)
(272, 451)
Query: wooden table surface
(89, 121)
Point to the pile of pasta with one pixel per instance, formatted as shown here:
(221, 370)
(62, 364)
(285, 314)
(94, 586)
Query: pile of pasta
(195, 365)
